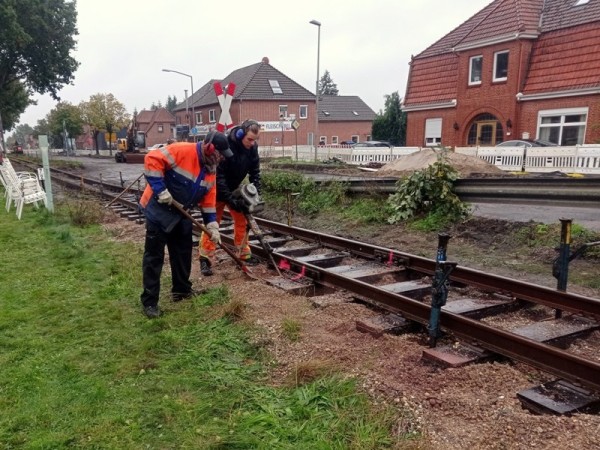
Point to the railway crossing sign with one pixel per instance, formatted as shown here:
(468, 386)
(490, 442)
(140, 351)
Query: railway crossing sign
(225, 121)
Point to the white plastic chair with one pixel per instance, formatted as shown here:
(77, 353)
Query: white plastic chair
(21, 188)
(31, 192)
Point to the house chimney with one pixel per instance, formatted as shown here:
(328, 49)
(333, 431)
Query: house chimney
(265, 60)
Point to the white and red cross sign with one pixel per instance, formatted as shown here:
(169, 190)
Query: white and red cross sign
(225, 121)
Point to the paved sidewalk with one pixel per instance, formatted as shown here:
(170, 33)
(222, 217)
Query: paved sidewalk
(586, 217)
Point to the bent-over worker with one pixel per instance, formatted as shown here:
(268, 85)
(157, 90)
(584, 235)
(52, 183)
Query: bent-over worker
(185, 172)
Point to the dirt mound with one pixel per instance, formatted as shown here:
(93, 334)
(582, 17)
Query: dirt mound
(465, 165)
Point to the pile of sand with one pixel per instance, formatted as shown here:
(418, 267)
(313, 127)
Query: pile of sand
(465, 165)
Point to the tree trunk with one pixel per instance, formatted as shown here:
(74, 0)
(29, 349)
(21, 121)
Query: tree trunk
(95, 133)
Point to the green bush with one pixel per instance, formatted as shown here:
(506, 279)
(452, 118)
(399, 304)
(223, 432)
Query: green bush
(312, 197)
(428, 192)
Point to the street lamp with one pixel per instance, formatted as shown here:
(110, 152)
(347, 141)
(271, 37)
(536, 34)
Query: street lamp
(193, 124)
(315, 137)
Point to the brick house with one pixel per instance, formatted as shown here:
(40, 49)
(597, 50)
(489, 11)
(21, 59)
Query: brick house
(270, 97)
(516, 69)
(157, 125)
(344, 118)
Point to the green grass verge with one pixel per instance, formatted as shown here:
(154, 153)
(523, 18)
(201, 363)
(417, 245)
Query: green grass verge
(81, 367)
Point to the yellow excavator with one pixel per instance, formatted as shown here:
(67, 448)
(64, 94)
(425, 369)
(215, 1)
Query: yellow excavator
(135, 141)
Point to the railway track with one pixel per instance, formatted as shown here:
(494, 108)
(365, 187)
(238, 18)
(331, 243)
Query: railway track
(400, 285)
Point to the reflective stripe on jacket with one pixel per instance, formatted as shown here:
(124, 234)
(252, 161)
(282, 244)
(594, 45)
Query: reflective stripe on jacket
(178, 168)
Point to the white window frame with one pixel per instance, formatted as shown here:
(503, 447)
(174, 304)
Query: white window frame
(212, 116)
(323, 139)
(354, 138)
(283, 110)
(472, 59)
(561, 125)
(334, 140)
(495, 78)
(433, 132)
(160, 128)
(303, 112)
(199, 117)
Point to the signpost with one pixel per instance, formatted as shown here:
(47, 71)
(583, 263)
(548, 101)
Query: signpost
(225, 121)
(295, 126)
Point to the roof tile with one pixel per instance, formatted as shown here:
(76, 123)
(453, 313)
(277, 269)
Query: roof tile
(341, 107)
(252, 83)
(578, 65)
(433, 80)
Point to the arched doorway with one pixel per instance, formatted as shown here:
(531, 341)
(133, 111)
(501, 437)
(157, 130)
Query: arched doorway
(485, 130)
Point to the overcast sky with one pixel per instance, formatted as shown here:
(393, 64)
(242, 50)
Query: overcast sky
(366, 47)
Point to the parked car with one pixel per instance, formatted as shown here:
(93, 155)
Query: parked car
(372, 144)
(347, 143)
(526, 143)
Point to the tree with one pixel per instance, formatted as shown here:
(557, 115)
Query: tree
(390, 125)
(103, 112)
(22, 134)
(171, 103)
(36, 38)
(14, 99)
(327, 86)
(65, 118)
(43, 128)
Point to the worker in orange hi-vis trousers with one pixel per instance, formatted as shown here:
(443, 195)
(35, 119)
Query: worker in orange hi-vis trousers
(231, 172)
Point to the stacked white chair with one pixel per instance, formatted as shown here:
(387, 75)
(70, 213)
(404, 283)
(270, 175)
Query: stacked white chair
(21, 188)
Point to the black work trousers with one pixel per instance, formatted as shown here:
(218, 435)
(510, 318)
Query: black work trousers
(179, 244)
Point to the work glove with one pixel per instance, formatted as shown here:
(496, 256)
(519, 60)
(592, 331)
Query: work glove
(213, 231)
(239, 205)
(165, 197)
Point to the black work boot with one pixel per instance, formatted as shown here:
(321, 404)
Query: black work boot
(179, 296)
(152, 312)
(205, 267)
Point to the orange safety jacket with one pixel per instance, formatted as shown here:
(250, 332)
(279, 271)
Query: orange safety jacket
(179, 168)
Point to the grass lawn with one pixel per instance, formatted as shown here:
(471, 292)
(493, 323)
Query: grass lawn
(81, 367)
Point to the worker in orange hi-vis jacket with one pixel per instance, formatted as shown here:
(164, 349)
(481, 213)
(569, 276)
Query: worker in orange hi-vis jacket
(244, 162)
(184, 172)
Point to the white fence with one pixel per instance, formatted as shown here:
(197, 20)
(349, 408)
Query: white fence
(344, 153)
(576, 159)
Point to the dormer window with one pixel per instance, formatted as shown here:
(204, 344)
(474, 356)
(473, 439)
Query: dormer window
(581, 2)
(475, 64)
(501, 66)
(326, 113)
(355, 113)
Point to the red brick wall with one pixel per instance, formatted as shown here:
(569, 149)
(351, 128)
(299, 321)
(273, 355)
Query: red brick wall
(496, 98)
(529, 114)
(262, 110)
(345, 130)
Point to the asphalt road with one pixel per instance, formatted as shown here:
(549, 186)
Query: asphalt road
(586, 217)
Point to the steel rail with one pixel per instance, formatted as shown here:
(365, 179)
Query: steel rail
(545, 357)
(518, 289)
(568, 191)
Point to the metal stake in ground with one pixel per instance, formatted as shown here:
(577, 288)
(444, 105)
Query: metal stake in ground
(439, 288)
(266, 247)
